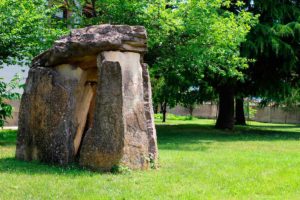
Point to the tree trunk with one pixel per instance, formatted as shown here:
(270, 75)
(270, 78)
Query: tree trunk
(155, 108)
(191, 111)
(239, 111)
(94, 8)
(164, 111)
(226, 108)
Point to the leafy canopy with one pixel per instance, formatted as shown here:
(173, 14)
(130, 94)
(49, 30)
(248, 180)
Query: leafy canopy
(274, 44)
(27, 28)
(203, 52)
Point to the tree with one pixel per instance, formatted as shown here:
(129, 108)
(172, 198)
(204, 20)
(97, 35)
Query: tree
(7, 92)
(239, 111)
(26, 30)
(203, 50)
(163, 95)
(214, 36)
(274, 45)
(196, 95)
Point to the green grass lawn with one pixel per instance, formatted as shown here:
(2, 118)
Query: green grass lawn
(260, 161)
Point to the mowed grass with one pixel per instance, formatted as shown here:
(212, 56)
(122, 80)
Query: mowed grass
(260, 161)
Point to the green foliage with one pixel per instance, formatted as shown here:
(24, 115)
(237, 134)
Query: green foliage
(195, 96)
(172, 117)
(214, 41)
(26, 29)
(274, 45)
(5, 111)
(119, 169)
(7, 92)
(118, 11)
(201, 54)
(194, 46)
(152, 161)
(250, 111)
(292, 101)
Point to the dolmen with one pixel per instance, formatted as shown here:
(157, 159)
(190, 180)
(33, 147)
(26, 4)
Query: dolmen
(88, 100)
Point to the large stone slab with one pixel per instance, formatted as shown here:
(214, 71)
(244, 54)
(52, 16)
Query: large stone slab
(82, 46)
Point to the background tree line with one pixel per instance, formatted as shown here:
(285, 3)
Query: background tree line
(198, 50)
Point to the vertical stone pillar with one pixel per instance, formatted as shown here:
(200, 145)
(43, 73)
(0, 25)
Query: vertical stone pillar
(149, 114)
(46, 124)
(119, 135)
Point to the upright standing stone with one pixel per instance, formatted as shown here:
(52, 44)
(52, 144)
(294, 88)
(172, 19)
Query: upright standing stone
(149, 113)
(119, 136)
(88, 99)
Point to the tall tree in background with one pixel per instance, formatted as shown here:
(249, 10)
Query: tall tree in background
(279, 52)
(274, 44)
(214, 47)
(193, 45)
(203, 50)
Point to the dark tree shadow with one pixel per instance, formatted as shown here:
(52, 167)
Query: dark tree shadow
(12, 165)
(178, 137)
(188, 137)
(277, 126)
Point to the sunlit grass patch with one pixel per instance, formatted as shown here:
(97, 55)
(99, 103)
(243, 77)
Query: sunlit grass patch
(259, 161)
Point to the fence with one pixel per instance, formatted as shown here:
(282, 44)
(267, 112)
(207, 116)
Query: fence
(267, 114)
(15, 115)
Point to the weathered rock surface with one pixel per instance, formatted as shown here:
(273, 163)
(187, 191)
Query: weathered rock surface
(88, 99)
(83, 45)
(149, 114)
(46, 125)
(119, 136)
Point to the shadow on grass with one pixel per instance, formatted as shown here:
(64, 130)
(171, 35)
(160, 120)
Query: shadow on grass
(12, 165)
(275, 126)
(268, 125)
(182, 137)
(186, 137)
